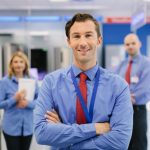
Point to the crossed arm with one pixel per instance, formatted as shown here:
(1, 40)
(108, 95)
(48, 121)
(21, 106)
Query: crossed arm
(101, 128)
(50, 131)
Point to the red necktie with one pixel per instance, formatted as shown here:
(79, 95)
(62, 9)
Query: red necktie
(128, 72)
(80, 117)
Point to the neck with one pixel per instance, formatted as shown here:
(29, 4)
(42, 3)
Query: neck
(135, 54)
(84, 66)
(19, 76)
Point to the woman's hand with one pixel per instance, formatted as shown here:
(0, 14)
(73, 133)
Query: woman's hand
(20, 95)
(22, 103)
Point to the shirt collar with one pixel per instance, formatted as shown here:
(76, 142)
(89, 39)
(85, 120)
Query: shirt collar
(14, 79)
(90, 73)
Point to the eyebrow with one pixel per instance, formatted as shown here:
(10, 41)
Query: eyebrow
(89, 32)
(85, 32)
(130, 43)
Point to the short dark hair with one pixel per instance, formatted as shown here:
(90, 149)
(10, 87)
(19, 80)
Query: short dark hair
(79, 17)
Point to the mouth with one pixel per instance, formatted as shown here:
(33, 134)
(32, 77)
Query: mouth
(131, 49)
(19, 68)
(83, 51)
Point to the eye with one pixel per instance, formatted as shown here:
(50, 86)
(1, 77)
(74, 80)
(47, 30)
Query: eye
(133, 43)
(127, 44)
(15, 61)
(76, 36)
(88, 35)
(21, 61)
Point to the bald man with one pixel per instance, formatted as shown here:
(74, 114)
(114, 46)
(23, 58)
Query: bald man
(135, 69)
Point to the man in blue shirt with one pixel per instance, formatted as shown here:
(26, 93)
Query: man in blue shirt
(136, 70)
(108, 110)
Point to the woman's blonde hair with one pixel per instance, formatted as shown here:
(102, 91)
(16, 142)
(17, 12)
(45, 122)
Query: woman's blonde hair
(24, 57)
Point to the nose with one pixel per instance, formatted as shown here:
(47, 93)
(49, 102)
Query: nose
(83, 42)
(18, 64)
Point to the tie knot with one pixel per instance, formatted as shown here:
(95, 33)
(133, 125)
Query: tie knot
(131, 61)
(83, 77)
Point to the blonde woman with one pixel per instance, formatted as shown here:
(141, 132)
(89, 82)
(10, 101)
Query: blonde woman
(17, 124)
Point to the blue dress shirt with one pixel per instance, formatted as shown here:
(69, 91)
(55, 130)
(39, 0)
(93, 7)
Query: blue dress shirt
(112, 105)
(140, 77)
(16, 121)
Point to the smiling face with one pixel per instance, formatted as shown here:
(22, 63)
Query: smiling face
(132, 44)
(84, 41)
(18, 65)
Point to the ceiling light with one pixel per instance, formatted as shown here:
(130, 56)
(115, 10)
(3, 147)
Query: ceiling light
(9, 18)
(39, 33)
(58, 0)
(43, 18)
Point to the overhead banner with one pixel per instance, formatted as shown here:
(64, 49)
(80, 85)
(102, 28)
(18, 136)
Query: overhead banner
(138, 18)
(117, 20)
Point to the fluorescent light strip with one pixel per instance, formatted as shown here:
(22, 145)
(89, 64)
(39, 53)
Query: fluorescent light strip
(98, 18)
(82, 0)
(67, 18)
(39, 18)
(39, 33)
(58, 0)
(42, 18)
(9, 19)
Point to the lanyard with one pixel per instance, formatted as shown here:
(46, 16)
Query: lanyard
(89, 116)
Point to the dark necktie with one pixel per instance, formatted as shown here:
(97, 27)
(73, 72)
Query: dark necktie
(128, 72)
(80, 117)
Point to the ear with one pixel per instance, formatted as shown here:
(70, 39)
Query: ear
(68, 41)
(140, 44)
(99, 41)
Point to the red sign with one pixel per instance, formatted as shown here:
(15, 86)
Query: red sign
(117, 20)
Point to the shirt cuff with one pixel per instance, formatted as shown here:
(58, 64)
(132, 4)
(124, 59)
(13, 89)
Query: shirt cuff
(11, 101)
(89, 129)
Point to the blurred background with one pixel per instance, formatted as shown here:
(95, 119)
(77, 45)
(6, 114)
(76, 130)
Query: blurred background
(37, 26)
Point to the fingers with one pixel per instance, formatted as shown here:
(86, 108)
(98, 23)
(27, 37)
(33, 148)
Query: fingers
(102, 128)
(20, 95)
(52, 116)
(23, 92)
(51, 119)
(106, 127)
(22, 104)
(133, 98)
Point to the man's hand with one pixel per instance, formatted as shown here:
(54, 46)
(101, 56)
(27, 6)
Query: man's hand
(52, 116)
(133, 98)
(102, 128)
